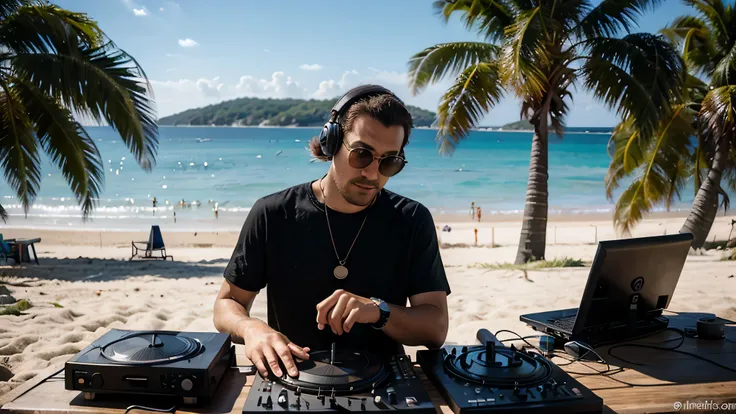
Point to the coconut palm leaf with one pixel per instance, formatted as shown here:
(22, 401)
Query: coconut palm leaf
(8, 7)
(521, 54)
(714, 12)
(474, 92)
(725, 71)
(662, 161)
(67, 144)
(434, 63)
(610, 17)
(106, 86)
(19, 156)
(488, 17)
(638, 75)
(719, 112)
(694, 38)
(48, 29)
(3, 214)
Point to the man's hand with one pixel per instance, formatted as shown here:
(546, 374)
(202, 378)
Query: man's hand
(342, 310)
(263, 342)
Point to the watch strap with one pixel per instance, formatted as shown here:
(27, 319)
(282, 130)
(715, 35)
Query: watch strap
(383, 314)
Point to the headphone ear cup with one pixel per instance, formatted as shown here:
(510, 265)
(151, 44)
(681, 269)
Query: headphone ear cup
(330, 138)
(324, 137)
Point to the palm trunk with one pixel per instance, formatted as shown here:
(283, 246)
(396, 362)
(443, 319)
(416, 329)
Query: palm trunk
(705, 206)
(534, 227)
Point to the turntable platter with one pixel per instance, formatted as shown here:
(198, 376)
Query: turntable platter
(151, 348)
(338, 372)
(497, 367)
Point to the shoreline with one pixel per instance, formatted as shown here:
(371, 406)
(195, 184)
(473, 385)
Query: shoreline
(561, 229)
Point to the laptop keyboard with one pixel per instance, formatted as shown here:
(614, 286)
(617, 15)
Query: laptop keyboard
(566, 323)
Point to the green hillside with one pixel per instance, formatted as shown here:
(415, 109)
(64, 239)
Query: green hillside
(272, 112)
(522, 125)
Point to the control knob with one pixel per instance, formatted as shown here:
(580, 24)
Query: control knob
(187, 384)
(96, 381)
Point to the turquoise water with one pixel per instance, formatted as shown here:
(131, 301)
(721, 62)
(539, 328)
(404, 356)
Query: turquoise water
(243, 164)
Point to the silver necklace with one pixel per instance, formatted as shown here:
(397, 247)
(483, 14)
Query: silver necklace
(340, 271)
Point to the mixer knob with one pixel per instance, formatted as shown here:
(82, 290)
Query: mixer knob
(477, 390)
(187, 384)
(269, 403)
(465, 349)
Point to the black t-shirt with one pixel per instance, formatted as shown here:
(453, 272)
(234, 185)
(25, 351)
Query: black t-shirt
(285, 244)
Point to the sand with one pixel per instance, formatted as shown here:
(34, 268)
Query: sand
(85, 284)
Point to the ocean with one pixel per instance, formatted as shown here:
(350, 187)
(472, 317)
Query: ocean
(233, 167)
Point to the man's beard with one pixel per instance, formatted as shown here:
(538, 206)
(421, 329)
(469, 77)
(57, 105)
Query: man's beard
(352, 197)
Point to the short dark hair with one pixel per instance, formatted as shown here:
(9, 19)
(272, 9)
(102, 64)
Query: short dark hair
(384, 108)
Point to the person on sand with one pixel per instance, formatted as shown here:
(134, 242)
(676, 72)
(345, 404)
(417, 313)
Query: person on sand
(340, 254)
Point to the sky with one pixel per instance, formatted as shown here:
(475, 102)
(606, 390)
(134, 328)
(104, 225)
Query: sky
(196, 53)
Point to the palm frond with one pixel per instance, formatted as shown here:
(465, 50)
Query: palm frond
(487, 17)
(8, 7)
(521, 55)
(638, 75)
(3, 214)
(714, 12)
(106, 84)
(693, 37)
(660, 162)
(19, 156)
(725, 71)
(48, 29)
(719, 112)
(610, 17)
(67, 144)
(447, 59)
(474, 92)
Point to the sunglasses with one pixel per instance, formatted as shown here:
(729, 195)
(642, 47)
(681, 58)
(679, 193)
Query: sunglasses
(388, 165)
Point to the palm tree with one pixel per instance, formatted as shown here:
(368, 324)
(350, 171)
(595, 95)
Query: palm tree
(57, 66)
(696, 139)
(539, 50)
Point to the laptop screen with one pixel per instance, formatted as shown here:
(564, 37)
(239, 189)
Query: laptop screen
(632, 280)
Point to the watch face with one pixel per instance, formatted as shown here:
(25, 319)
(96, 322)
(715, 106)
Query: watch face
(383, 306)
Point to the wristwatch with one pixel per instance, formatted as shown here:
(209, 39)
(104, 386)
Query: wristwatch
(385, 312)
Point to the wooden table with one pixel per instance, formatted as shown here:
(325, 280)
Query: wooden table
(677, 378)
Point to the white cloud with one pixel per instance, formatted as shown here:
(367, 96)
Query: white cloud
(279, 86)
(267, 50)
(140, 12)
(187, 42)
(161, 9)
(176, 96)
(311, 67)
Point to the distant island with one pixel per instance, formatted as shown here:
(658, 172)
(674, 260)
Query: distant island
(272, 112)
(522, 125)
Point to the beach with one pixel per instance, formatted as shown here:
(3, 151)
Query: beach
(85, 283)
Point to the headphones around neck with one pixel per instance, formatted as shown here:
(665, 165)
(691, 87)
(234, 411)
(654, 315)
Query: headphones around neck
(331, 136)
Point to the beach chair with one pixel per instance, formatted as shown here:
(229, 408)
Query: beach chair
(155, 243)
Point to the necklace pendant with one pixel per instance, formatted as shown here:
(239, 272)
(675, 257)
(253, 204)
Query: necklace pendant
(340, 272)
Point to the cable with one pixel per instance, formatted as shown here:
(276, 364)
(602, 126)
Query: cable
(143, 407)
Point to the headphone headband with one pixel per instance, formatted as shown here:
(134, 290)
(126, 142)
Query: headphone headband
(360, 92)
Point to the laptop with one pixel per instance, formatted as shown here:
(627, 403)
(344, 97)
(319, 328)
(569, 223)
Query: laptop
(630, 283)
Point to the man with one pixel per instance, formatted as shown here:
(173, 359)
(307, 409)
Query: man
(340, 255)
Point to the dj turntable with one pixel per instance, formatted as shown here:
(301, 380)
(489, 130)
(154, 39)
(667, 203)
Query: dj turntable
(497, 379)
(342, 380)
(189, 365)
